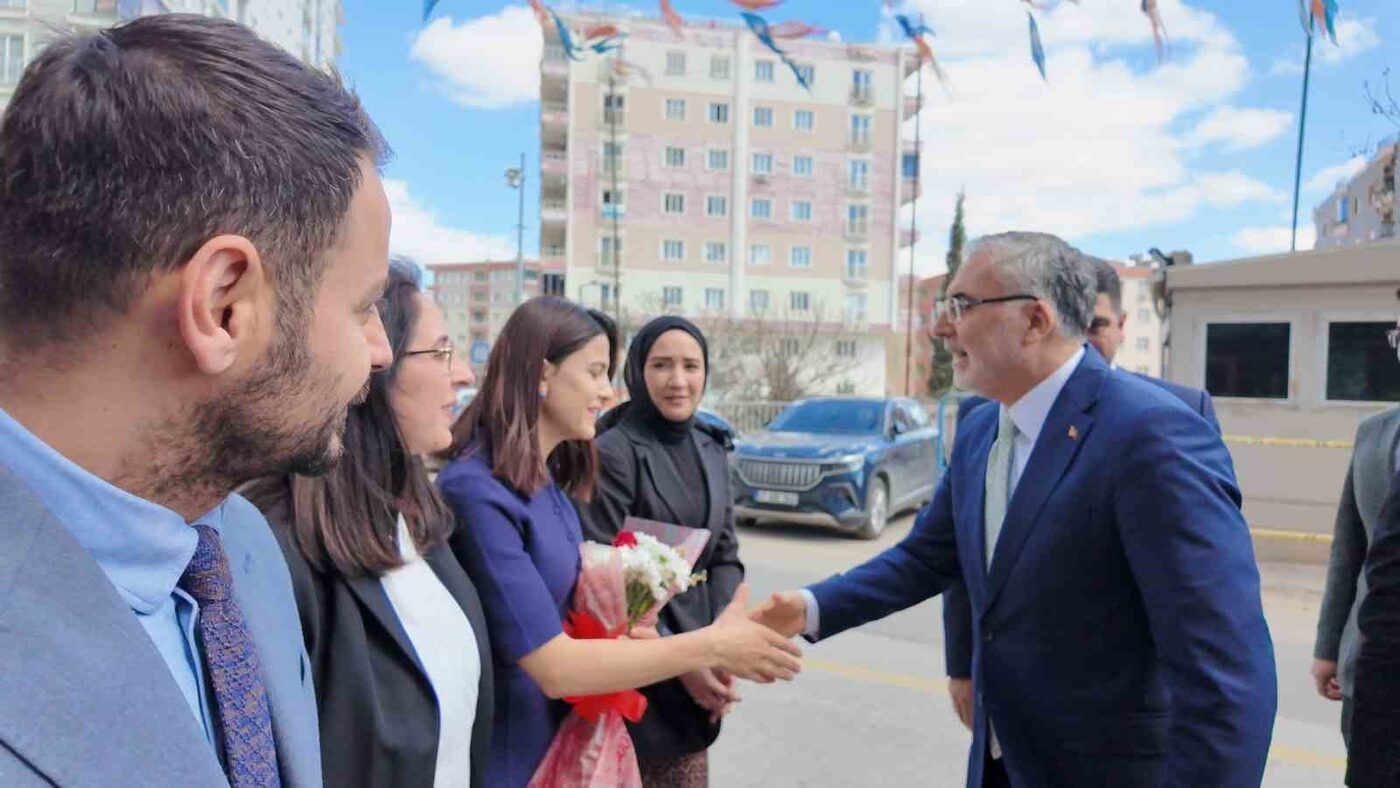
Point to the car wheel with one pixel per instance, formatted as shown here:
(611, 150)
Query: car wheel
(877, 509)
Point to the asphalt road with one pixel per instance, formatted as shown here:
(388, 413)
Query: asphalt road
(871, 707)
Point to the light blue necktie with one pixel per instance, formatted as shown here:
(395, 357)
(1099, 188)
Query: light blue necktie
(998, 480)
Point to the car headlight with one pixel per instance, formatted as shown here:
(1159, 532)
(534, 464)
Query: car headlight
(851, 463)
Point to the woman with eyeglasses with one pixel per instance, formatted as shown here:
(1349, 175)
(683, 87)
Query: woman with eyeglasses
(399, 648)
(522, 448)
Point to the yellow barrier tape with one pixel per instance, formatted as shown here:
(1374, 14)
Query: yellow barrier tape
(1295, 443)
(1292, 536)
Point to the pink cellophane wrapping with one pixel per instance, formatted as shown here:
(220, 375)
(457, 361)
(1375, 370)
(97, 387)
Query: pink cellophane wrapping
(598, 751)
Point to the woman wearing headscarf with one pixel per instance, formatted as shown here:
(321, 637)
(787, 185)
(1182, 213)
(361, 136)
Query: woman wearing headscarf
(658, 462)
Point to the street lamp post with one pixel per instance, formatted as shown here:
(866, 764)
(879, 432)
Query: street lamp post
(515, 179)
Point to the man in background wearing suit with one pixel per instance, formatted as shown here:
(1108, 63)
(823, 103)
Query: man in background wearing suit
(1373, 751)
(1374, 460)
(1106, 336)
(194, 236)
(1119, 636)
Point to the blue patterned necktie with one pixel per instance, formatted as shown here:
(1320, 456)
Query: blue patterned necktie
(250, 753)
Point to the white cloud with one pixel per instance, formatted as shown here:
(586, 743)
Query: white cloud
(1327, 178)
(1354, 37)
(1102, 146)
(1236, 128)
(489, 62)
(417, 233)
(1271, 240)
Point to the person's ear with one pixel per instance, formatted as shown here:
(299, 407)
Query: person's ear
(550, 370)
(223, 299)
(1042, 321)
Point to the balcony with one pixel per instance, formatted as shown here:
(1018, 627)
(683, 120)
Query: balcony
(862, 96)
(858, 188)
(611, 116)
(554, 164)
(910, 190)
(858, 143)
(552, 257)
(856, 277)
(554, 113)
(908, 238)
(912, 105)
(611, 165)
(611, 211)
(857, 231)
(554, 211)
(93, 13)
(554, 63)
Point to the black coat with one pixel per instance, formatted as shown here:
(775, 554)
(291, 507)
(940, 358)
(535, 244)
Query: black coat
(636, 478)
(378, 712)
(1374, 755)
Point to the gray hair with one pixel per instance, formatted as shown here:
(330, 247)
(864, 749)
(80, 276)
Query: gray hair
(1044, 266)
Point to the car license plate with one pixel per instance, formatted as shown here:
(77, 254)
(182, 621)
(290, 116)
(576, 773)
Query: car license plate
(775, 496)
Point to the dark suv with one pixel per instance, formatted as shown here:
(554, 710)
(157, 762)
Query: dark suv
(844, 462)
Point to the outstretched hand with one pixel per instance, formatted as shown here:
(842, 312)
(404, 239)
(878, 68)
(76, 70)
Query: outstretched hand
(749, 650)
(785, 612)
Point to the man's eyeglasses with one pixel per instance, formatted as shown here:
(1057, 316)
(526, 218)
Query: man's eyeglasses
(443, 352)
(954, 307)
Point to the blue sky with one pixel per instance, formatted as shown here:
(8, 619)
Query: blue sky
(1115, 152)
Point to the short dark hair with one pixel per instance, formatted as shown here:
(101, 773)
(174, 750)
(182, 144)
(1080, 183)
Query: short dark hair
(503, 419)
(1107, 282)
(123, 151)
(347, 517)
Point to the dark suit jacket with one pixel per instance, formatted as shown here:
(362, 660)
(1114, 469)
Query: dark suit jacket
(1374, 756)
(1358, 518)
(957, 614)
(636, 478)
(379, 714)
(1119, 636)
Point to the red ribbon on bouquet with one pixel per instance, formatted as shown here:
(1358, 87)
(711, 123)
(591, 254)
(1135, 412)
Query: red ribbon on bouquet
(631, 704)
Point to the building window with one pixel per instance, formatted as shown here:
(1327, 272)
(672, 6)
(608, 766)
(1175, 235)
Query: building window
(800, 301)
(758, 300)
(719, 67)
(719, 112)
(760, 254)
(675, 109)
(763, 164)
(858, 219)
(909, 166)
(716, 252)
(763, 71)
(809, 74)
(856, 304)
(762, 208)
(479, 276)
(790, 346)
(612, 108)
(856, 265)
(845, 388)
(714, 298)
(673, 203)
(800, 257)
(675, 63)
(859, 175)
(718, 160)
(1144, 315)
(860, 130)
(671, 296)
(716, 206)
(801, 211)
(478, 316)
(672, 250)
(1361, 364)
(1142, 345)
(763, 117)
(804, 120)
(846, 348)
(605, 250)
(612, 155)
(1248, 359)
(14, 3)
(861, 82)
(12, 51)
(1342, 213)
(613, 203)
(802, 166)
(553, 284)
(478, 296)
(675, 157)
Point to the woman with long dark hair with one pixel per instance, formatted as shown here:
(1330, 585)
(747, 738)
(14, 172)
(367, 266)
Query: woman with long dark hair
(659, 462)
(522, 447)
(394, 628)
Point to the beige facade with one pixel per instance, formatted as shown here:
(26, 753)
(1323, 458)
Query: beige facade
(306, 28)
(731, 192)
(1361, 209)
(1141, 350)
(477, 298)
(1292, 349)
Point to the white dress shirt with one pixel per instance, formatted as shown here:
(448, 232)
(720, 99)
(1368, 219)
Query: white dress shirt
(445, 643)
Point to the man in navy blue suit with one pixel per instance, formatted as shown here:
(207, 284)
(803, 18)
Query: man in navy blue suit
(1119, 637)
(1105, 336)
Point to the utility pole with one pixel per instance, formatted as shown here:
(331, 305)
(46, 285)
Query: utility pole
(616, 195)
(914, 219)
(1302, 124)
(515, 178)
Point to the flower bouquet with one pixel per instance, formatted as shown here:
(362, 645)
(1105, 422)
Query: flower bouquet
(619, 587)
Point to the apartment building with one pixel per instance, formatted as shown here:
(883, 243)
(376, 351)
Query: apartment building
(1143, 332)
(1362, 209)
(699, 178)
(306, 28)
(477, 298)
